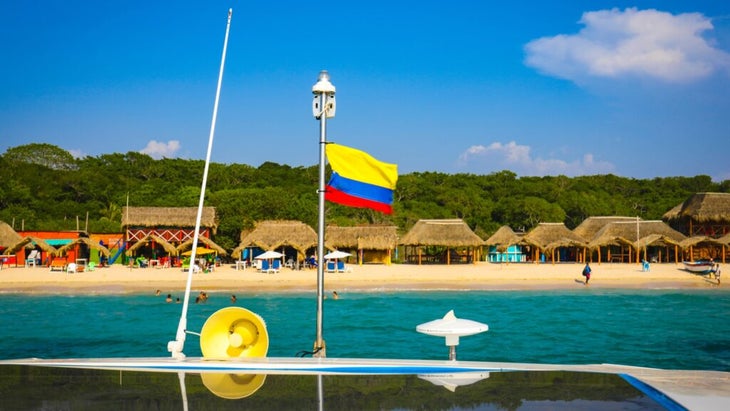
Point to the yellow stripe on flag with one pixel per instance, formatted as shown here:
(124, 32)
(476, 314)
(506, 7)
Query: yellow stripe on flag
(361, 166)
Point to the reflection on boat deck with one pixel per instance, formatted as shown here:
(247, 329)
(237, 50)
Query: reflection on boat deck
(347, 384)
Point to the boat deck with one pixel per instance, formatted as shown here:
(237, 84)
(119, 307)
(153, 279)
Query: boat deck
(706, 390)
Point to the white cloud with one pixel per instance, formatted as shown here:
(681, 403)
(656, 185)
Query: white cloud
(631, 42)
(518, 159)
(159, 149)
(77, 153)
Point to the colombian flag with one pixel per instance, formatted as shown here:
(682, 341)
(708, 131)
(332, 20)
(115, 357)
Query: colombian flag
(359, 180)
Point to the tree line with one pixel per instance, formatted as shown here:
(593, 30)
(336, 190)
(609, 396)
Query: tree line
(43, 187)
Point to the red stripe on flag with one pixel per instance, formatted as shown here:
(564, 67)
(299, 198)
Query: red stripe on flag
(336, 196)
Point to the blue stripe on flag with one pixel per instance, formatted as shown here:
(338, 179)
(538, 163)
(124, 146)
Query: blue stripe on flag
(360, 189)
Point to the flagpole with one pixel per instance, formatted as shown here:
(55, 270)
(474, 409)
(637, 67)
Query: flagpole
(176, 346)
(322, 107)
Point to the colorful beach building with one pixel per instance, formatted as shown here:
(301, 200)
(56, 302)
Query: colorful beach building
(145, 229)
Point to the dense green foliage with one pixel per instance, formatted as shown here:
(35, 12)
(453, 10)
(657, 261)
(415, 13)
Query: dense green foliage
(42, 187)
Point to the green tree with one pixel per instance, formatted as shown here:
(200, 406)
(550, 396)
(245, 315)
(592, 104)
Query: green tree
(46, 155)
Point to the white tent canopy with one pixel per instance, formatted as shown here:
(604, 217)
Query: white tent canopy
(268, 255)
(335, 255)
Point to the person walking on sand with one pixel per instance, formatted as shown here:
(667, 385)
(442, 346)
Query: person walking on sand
(716, 272)
(587, 273)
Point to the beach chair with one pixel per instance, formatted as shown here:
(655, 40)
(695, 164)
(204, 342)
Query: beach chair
(331, 266)
(276, 266)
(32, 258)
(264, 266)
(58, 264)
(340, 266)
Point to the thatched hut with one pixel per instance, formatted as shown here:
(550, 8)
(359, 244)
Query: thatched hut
(703, 214)
(444, 241)
(622, 241)
(173, 224)
(725, 243)
(8, 236)
(701, 247)
(372, 244)
(11, 242)
(86, 242)
(30, 242)
(551, 237)
(503, 238)
(273, 234)
(504, 246)
(588, 229)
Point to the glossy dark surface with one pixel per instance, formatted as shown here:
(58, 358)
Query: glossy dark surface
(26, 388)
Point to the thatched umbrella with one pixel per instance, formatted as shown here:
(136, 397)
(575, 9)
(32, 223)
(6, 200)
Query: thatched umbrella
(168, 247)
(588, 229)
(629, 234)
(381, 239)
(504, 238)
(702, 210)
(449, 233)
(186, 245)
(86, 241)
(548, 237)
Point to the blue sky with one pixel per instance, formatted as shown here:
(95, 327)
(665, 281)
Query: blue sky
(638, 89)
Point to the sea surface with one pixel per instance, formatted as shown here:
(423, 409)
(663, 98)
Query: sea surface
(673, 329)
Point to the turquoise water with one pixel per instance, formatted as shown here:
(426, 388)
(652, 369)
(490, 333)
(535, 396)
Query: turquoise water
(687, 329)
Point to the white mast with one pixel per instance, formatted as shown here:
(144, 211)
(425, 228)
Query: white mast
(176, 346)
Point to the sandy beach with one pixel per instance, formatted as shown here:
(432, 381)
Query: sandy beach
(479, 276)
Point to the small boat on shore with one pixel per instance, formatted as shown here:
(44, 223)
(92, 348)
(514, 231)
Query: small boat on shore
(698, 267)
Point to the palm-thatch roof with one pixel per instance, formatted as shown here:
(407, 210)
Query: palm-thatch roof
(8, 236)
(168, 217)
(272, 234)
(703, 208)
(549, 236)
(658, 240)
(629, 232)
(725, 240)
(362, 238)
(448, 232)
(168, 247)
(188, 244)
(30, 241)
(504, 238)
(699, 240)
(590, 226)
(83, 240)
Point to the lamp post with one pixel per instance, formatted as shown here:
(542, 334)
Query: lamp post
(323, 107)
